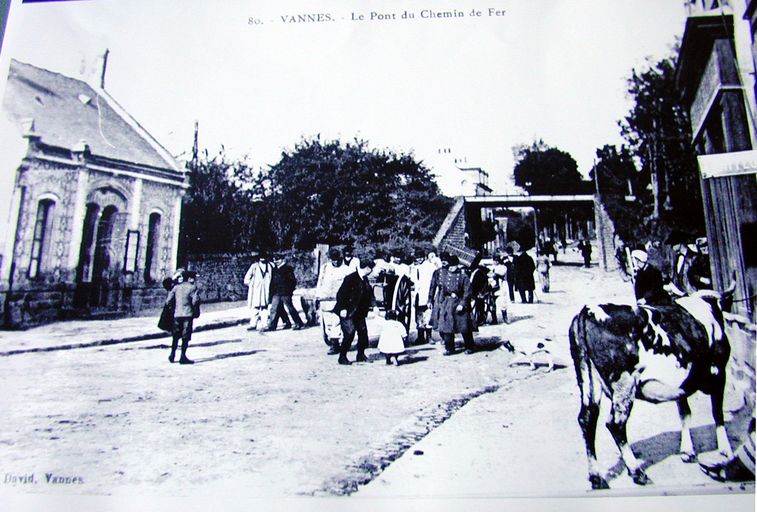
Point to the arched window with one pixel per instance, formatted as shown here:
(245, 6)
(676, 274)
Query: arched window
(103, 257)
(41, 238)
(151, 254)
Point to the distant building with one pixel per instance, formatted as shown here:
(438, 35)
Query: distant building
(475, 182)
(716, 77)
(94, 207)
(456, 177)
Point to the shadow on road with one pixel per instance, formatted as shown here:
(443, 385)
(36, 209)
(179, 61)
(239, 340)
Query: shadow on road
(511, 319)
(488, 344)
(573, 264)
(227, 356)
(167, 346)
(667, 444)
(412, 359)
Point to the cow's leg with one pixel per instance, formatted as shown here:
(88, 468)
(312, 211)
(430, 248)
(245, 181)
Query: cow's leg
(624, 391)
(716, 400)
(687, 443)
(587, 420)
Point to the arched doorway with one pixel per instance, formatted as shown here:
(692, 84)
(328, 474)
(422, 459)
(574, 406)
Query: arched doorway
(97, 259)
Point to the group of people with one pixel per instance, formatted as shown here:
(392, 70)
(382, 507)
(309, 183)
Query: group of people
(270, 287)
(442, 298)
(689, 272)
(518, 274)
(345, 296)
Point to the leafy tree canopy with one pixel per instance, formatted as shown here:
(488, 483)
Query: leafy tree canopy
(332, 192)
(216, 215)
(542, 169)
(658, 133)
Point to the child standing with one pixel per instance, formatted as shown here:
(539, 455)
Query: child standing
(392, 340)
(542, 266)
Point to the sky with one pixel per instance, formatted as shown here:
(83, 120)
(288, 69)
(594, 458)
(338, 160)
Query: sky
(479, 85)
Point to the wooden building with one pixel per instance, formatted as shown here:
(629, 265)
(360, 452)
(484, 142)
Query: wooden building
(716, 78)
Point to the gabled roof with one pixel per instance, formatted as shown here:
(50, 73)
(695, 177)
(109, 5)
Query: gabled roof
(66, 110)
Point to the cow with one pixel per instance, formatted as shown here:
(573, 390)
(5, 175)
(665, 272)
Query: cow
(657, 354)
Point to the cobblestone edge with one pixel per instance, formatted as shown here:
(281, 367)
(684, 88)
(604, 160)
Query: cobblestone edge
(370, 466)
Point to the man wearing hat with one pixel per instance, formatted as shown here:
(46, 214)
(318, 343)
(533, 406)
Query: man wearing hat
(699, 275)
(186, 300)
(330, 277)
(283, 283)
(421, 274)
(649, 285)
(348, 260)
(258, 281)
(353, 302)
(453, 313)
(434, 299)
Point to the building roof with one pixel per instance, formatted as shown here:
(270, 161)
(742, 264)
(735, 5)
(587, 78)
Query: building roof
(66, 111)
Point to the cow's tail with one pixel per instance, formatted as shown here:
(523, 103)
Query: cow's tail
(590, 395)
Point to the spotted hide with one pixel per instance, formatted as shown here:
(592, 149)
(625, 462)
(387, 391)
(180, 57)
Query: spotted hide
(656, 354)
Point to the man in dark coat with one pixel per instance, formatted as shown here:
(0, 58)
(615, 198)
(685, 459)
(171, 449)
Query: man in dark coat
(453, 300)
(523, 268)
(282, 287)
(585, 247)
(509, 262)
(433, 293)
(353, 302)
(186, 300)
(649, 284)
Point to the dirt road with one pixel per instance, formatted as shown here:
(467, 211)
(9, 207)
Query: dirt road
(272, 415)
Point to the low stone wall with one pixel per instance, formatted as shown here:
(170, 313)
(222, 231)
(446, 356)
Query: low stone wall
(221, 276)
(22, 308)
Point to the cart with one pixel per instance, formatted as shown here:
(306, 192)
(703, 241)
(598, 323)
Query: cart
(395, 293)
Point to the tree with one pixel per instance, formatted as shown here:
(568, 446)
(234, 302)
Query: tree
(218, 215)
(330, 192)
(658, 134)
(623, 191)
(541, 169)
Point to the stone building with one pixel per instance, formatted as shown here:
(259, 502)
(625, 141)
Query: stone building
(93, 208)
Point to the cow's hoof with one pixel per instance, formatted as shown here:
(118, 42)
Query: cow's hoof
(641, 478)
(597, 482)
(689, 458)
(726, 454)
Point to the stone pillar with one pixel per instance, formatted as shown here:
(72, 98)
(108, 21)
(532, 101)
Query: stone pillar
(77, 219)
(176, 231)
(136, 205)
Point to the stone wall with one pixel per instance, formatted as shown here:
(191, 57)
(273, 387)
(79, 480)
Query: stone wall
(221, 276)
(27, 307)
(605, 233)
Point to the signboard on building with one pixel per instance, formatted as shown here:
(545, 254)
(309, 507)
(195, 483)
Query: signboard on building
(728, 164)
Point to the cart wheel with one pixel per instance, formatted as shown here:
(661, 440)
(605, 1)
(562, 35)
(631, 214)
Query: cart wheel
(491, 305)
(402, 301)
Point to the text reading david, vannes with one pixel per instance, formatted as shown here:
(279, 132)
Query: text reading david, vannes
(47, 478)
